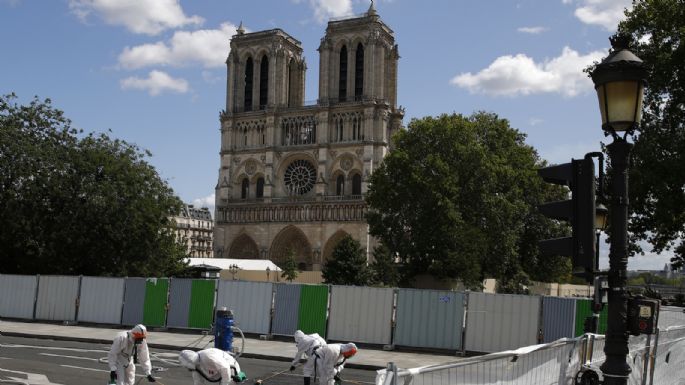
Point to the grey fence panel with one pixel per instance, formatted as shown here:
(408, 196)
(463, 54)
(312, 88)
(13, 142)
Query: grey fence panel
(497, 322)
(671, 316)
(101, 300)
(286, 309)
(558, 318)
(56, 300)
(360, 314)
(17, 295)
(250, 302)
(429, 319)
(179, 302)
(134, 301)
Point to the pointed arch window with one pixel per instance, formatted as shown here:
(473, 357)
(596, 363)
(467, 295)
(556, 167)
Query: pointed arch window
(357, 184)
(245, 189)
(263, 82)
(359, 72)
(249, 72)
(342, 78)
(259, 192)
(340, 185)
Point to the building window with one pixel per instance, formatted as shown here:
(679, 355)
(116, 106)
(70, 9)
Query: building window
(359, 72)
(357, 184)
(263, 82)
(340, 185)
(299, 177)
(249, 71)
(245, 189)
(342, 79)
(260, 188)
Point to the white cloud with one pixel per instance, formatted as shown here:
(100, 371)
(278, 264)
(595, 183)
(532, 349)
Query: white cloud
(139, 16)
(532, 30)
(208, 47)
(520, 75)
(156, 83)
(207, 201)
(605, 13)
(325, 9)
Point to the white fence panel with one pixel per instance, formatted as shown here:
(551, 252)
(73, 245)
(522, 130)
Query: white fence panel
(57, 298)
(361, 314)
(250, 302)
(101, 300)
(17, 295)
(429, 319)
(671, 316)
(497, 322)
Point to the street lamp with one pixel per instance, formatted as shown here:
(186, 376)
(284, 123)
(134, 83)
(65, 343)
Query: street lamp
(619, 80)
(268, 273)
(233, 269)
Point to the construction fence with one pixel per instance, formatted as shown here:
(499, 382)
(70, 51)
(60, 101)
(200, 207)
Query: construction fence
(657, 359)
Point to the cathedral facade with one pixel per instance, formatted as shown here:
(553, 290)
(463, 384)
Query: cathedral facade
(292, 174)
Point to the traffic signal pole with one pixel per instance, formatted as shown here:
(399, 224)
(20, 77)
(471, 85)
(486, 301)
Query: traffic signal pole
(615, 368)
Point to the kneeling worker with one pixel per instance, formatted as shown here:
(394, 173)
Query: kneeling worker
(330, 360)
(211, 366)
(306, 344)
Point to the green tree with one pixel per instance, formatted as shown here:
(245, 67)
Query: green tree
(347, 265)
(457, 199)
(384, 269)
(657, 174)
(75, 204)
(289, 266)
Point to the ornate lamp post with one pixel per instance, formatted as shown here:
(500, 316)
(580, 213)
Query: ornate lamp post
(233, 269)
(619, 81)
(268, 274)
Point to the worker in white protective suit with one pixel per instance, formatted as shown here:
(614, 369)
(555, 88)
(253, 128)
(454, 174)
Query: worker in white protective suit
(330, 360)
(306, 344)
(211, 366)
(128, 349)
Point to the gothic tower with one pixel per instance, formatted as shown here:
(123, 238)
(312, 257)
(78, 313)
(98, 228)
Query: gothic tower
(292, 176)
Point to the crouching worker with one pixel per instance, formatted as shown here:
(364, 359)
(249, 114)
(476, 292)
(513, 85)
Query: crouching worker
(306, 344)
(128, 349)
(330, 360)
(211, 366)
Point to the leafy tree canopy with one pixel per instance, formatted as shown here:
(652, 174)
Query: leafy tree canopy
(457, 198)
(75, 204)
(289, 266)
(384, 268)
(657, 175)
(347, 265)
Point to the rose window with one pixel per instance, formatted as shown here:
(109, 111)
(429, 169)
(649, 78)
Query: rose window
(299, 177)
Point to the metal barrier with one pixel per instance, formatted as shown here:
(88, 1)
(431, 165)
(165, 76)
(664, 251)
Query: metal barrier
(658, 359)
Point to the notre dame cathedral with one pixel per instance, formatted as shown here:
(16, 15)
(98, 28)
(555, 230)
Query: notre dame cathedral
(293, 174)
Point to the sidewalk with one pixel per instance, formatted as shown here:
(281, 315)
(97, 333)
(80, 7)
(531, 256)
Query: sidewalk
(369, 359)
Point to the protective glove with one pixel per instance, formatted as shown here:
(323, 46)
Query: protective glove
(292, 367)
(337, 378)
(150, 378)
(113, 375)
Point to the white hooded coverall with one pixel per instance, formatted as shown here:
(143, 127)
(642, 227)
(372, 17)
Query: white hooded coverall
(120, 358)
(213, 364)
(329, 363)
(307, 344)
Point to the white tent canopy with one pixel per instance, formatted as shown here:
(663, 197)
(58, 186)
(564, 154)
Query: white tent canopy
(243, 264)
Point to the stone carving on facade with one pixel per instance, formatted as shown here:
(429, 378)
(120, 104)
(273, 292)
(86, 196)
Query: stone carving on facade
(236, 160)
(333, 153)
(346, 163)
(250, 167)
(263, 158)
(359, 152)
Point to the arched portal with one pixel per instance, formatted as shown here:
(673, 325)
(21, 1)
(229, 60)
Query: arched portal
(244, 247)
(331, 243)
(291, 238)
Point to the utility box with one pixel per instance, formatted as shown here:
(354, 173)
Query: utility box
(643, 315)
(223, 330)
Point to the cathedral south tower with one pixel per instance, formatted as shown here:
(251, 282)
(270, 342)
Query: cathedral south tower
(293, 175)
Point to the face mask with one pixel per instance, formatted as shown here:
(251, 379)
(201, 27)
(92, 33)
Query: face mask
(138, 341)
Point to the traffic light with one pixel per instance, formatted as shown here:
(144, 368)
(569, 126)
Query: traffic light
(579, 176)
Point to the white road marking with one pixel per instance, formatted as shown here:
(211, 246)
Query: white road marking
(96, 370)
(51, 348)
(31, 378)
(74, 357)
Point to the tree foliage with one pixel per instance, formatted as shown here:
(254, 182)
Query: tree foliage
(347, 265)
(384, 269)
(74, 204)
(457, 198)
(289, 266)
(657, 175)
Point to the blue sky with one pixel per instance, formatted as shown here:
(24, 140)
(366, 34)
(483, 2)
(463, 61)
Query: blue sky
(153, 71)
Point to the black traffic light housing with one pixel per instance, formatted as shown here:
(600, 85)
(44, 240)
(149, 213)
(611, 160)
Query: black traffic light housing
(579, 176)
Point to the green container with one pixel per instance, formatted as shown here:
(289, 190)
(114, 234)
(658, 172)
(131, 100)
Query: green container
(201, 304)
(154, 311)
(313, 307)
(583, 310)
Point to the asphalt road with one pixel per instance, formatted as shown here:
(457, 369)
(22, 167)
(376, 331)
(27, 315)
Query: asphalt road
(30, 361)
